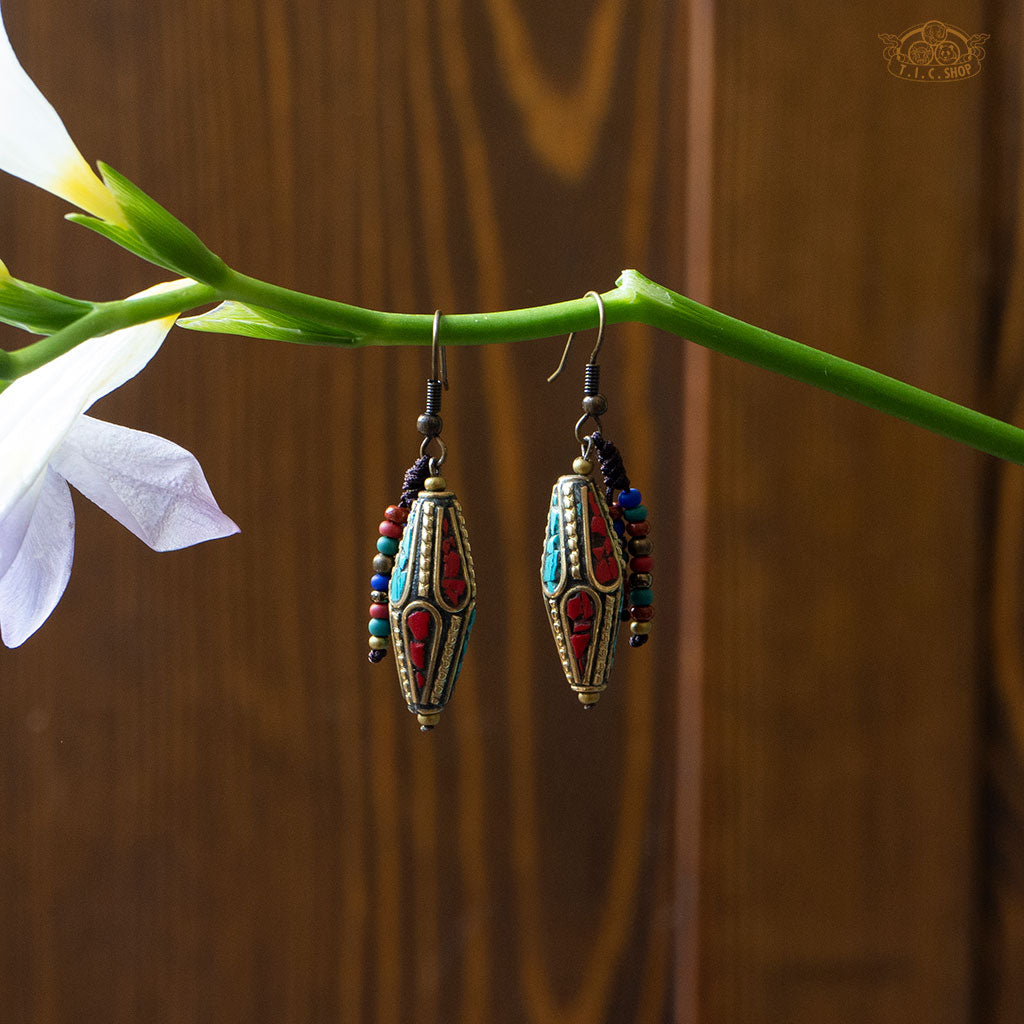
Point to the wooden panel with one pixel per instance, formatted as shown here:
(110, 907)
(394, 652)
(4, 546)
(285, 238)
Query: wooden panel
(215, 809)
(844, 549)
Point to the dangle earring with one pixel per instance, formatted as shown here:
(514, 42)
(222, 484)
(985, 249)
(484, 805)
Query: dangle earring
(596, 550)
(423, 590)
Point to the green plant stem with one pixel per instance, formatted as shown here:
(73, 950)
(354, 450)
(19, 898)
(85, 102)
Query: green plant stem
(104, 318)
(634, 299)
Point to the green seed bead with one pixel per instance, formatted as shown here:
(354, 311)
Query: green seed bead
(641, 597)
(379, 627)
(387, 546)
(635, 515)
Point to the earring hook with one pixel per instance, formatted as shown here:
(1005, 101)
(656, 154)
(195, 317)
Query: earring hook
(438, 356)
(597, 346)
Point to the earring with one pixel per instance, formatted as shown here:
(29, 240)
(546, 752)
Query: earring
(423, 589)
(596, 550)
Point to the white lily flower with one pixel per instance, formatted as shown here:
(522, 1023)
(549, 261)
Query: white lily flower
(148, 484)
(35, 145)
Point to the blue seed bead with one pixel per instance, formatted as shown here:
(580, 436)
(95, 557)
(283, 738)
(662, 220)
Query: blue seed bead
(641, 597)
(637, 514)
(619, 527)
(379, 582)
(630, 498)
(387, 546)
(380, 627)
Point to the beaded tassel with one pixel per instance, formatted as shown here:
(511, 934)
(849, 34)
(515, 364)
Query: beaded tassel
(629, 515)
(391, 530)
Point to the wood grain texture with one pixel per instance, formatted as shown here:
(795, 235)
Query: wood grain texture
(845, 554)
(215, 809)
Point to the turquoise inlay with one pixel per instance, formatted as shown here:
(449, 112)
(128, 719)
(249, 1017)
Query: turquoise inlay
(465, 644)
(401, 570)
(615, 637)
(552, 546)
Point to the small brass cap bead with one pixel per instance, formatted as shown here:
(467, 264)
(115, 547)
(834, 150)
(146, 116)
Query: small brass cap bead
(436, 483)
(639, 628)
(588, 700)
(427, 722)
(582, 466)
(595, 405)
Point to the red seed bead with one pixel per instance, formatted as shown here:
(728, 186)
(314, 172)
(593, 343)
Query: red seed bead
(640, 529)
(389, 529)
(396, 514)
(641, 613)
(380, 611)
(641, 564)
(615, 511)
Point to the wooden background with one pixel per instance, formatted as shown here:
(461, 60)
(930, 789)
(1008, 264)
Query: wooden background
(802, 800)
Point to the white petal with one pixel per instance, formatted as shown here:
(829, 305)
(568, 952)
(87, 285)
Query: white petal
(150, 485)
(37, 410)
(35, 145)
(15, 523)
(32, 586)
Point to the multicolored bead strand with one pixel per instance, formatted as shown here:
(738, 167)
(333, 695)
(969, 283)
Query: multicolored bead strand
(629, 517)
(391, 529)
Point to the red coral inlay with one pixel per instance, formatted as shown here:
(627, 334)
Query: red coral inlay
(419, 628)
(452, 582)
(580, 610)
(602, 554)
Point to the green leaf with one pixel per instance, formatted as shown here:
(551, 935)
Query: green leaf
(119, 236)
(177, 246)
(36, 309)
(256, 322)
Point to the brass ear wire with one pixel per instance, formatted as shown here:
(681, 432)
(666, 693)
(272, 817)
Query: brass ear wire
(430, 423)
(597, 346)
(438, 356)
(594, 403)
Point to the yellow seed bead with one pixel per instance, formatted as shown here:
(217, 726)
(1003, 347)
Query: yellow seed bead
(639, 628)
(582, 466)
(436, 483)
(378, 643)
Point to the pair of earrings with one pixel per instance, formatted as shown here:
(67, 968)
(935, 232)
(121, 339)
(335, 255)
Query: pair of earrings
(595, 567)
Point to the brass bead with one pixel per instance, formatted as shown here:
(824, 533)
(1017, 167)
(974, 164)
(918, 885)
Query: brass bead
(378, 643)
(436, 483)
(588, 700)
(640, 546)
(639, 628)
(378, 597)
(429, 425)
(383, 564)
(595, 405)
(428, 721)
(582, 466)
(641, 581)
